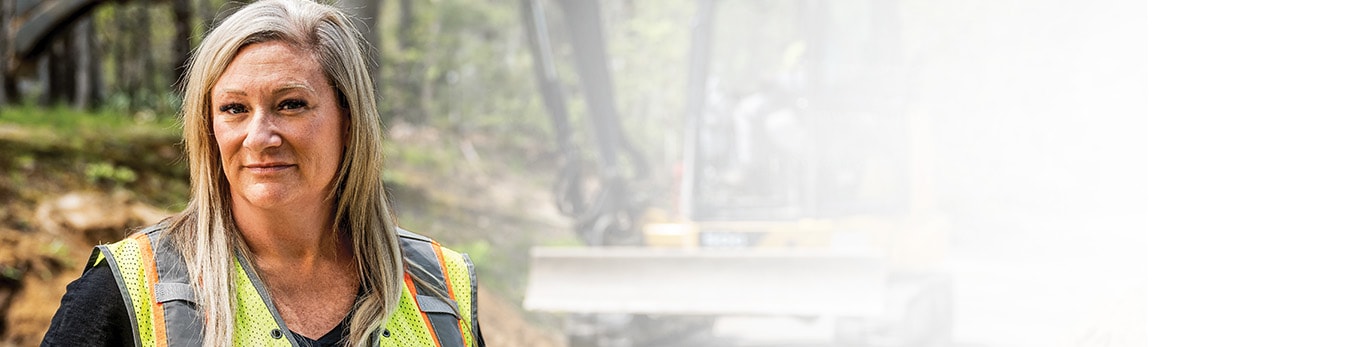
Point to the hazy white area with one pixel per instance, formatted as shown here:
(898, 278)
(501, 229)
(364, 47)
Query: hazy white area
(1028, 118)
(1255, 170)
(1036, 109)
(1038, 116)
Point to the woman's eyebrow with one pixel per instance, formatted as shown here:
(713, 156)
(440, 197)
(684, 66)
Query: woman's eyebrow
(233, 91)
(282, 89)
(292, 86)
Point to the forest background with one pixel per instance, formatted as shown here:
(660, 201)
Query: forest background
(1033, 114)
(89, 135)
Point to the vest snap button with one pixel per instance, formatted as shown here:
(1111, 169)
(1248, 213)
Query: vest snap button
(276, 333)
(386, 333)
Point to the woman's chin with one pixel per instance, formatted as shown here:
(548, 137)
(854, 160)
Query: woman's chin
(269, 198)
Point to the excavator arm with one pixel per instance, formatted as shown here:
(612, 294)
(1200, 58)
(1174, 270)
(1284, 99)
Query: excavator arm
(608, 214)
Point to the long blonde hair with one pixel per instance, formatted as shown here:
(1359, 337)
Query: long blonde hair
(204, 232)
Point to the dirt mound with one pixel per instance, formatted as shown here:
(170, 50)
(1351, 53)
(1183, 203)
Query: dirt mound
(35, 269)
(36, 264)
(504, 324)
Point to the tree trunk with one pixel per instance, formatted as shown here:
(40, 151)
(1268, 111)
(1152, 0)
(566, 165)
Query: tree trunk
(405, 24)
(4, 51)
(180, 49)
(70, 67)
(98, 90)
(409, 82)
(82, 54)
(142, 47)
(366, 15)
(55, 66)
(123, 59)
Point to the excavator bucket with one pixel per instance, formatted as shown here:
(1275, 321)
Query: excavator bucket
(705, 281)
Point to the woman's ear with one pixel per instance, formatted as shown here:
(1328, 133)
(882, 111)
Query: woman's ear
(341, 97)
(346, 129)
(346, 121)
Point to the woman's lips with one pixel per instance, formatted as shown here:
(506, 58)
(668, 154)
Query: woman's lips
(267, 167)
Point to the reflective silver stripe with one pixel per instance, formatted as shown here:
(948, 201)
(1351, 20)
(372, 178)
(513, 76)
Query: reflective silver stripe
(419, 253)
(184, 325)
(123, 290)
(174, 292)
(432, 304)
(411, 235)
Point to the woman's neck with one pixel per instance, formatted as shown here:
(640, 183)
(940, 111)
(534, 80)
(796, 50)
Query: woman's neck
(300, 235)
(306, 265)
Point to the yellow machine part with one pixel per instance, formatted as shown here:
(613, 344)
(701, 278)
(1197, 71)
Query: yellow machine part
(802, 282)
(907, 244)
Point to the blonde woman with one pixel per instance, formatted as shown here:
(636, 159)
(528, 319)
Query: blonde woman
(288, 239)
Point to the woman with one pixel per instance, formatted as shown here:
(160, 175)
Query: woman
(288, 238)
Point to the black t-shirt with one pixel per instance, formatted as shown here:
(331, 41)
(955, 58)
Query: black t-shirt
(92, 314)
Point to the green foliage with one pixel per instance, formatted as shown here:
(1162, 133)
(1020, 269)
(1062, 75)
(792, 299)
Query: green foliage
(139, 60)
(11, 273)
(68, 121)
(45, 150)
(479, 251)
(106, 172)
(458, 65)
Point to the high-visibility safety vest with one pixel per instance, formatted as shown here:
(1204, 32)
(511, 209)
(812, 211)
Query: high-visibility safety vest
(161, 304)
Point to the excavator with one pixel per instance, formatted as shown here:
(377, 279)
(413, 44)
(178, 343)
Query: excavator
(801, 191)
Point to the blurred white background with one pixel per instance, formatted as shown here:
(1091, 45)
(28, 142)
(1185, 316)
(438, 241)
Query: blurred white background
(1255, 171)
(1038, 113)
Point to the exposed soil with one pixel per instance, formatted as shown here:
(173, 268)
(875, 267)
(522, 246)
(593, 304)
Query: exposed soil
(38, 263)
(504, 324)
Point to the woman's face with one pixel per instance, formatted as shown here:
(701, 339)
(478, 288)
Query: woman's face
(278, 126)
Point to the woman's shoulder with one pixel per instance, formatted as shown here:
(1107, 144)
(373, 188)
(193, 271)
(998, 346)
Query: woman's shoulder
(148, 240)
(423, 249)
(151, 233)
(409, 239)
(405, 235)
(92, 313)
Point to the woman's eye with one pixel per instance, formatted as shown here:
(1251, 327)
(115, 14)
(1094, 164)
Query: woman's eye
(232, 109)
(293, 104)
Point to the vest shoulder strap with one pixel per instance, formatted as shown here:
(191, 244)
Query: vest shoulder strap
(152, 280)
(450, 279)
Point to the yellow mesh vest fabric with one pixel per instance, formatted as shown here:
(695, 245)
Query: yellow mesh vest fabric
(128, 256)
(254, 324)
(408, 326)
(458, 278)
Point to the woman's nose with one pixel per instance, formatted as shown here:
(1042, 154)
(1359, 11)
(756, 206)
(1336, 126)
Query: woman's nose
(261, 132)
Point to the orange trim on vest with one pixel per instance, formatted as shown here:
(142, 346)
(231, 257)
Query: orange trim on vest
(149, 264)
(450, 289)
(460, 328)
(441, 259)
(408, 281)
